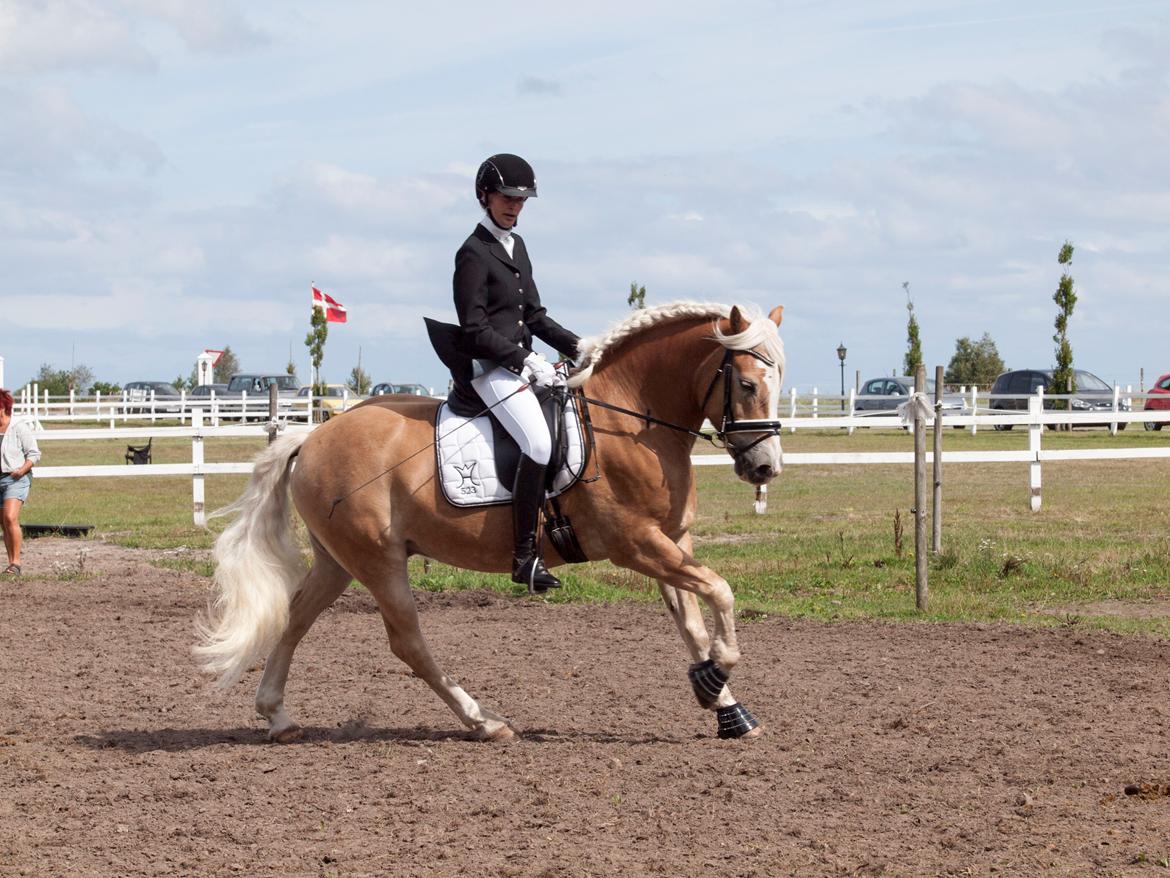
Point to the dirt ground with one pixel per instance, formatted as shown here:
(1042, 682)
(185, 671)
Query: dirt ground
(890, 749)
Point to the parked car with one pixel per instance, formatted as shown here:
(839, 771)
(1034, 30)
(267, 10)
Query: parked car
(204, 391)
(336, 399)
(139, 393)
(884, 395)
(1159, 401)
(255, 383)
(1091, 394)
(410, 389)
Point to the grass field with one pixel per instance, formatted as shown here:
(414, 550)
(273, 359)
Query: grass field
(1098, 553)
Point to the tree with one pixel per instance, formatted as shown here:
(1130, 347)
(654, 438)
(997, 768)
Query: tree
(913, 358)
(227, 366)
(637, 297)
(359, 381)
(60, 381)
(105, 388)
(181, 384)
(315, 342)
(1063, 379)
(976, 363)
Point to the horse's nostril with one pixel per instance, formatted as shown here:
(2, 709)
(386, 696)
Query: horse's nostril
(765, 471)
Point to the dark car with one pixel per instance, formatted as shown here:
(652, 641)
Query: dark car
(140, 394)
(204, 391)
(1091, 394)
(255, 383)
(409, 389)
(886, 394)
(1159, 401)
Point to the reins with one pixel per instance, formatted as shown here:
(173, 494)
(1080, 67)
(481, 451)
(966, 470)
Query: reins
(766, 427)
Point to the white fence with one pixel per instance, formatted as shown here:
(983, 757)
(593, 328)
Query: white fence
(129, 407)
(1034, 419)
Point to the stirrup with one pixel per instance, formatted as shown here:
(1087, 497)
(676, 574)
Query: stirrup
(532, 572)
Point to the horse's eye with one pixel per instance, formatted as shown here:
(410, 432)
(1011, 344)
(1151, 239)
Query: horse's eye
(749, 387)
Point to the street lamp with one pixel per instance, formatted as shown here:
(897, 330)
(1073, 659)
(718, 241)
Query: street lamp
(841, 357)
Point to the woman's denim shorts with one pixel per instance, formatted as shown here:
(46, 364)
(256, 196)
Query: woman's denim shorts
(15, 489)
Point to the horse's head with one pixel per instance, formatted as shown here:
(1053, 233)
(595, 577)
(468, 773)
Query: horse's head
(743, 399)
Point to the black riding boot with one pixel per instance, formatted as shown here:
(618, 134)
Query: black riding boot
(527, 497)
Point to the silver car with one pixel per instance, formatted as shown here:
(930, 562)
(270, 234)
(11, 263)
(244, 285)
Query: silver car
(884, 395)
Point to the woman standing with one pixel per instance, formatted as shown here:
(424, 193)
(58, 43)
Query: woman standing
(18, 454)
(499, 313)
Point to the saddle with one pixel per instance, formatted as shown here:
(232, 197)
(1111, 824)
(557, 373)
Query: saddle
(477, 458)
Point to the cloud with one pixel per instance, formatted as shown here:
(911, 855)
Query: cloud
(208, 26)
(51, 36)
(46, 131)
(538, 86)
(44, 36)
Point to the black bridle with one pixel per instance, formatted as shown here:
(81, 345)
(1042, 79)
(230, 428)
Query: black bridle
(767, 427)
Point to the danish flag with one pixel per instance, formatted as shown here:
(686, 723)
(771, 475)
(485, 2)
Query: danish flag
(335, 312)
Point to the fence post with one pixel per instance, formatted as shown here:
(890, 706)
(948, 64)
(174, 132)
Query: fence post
(936, 506)
(1035, 429)
(974, 407)
(243, 407)
(792, 409)
(197, 467)
(183, 406)
(272, 391)
(920, 557)
(1116, 400)
(72, 400)
(852, 404)
(814, 403)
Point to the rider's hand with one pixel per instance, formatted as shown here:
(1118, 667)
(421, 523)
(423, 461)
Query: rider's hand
(539, 371)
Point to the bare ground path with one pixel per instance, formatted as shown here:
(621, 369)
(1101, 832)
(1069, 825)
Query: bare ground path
(891, 749)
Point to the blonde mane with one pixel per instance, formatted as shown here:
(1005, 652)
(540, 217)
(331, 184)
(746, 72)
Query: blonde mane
(761, 332)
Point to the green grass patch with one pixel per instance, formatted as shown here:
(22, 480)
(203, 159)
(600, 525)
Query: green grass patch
(1097, 554)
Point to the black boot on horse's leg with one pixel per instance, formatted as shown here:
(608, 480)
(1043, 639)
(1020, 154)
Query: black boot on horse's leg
(527, 497)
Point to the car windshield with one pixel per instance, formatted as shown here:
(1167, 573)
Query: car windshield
(287, 382)
(1089, 381)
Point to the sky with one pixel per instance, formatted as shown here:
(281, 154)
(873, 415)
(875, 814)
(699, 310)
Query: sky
(175, 175)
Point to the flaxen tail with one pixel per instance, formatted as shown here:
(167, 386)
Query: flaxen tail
(258, 566)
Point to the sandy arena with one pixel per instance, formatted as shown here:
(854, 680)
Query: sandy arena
(890, 749)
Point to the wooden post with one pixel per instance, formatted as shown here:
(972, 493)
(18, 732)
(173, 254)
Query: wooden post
(936, 505)
(852, 409)
(792, 407)
(920, 557)
(272, 394)
(1035, 429)
(974, 407)
(197, 464)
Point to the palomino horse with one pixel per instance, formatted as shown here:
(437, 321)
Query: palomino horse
(370, 500)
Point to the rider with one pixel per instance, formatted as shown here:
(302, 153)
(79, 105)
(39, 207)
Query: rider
(499, 312)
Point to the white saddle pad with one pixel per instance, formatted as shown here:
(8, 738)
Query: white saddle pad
(467, 462)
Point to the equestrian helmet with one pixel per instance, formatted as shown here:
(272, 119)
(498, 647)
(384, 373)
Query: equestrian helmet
(507, 174)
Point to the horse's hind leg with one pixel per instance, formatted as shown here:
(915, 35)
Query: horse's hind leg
(321, 586)
(391, 588)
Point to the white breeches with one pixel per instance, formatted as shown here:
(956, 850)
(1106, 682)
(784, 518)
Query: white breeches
(519, 412)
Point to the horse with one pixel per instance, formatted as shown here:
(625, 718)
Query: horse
(369, 500)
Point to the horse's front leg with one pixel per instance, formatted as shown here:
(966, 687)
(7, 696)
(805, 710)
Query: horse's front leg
(680, 578)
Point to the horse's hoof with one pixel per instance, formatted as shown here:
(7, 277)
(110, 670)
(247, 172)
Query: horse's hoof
(286, 735)
(737, 721)
(502, 733)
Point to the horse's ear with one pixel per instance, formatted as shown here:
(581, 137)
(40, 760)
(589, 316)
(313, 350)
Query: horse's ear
(738, 324)
(776, 314)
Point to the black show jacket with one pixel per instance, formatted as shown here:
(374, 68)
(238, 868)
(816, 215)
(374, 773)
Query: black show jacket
(498, 306)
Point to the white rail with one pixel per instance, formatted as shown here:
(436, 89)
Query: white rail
(1035, 419)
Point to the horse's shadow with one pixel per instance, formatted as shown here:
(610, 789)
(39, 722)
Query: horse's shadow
(180, 740)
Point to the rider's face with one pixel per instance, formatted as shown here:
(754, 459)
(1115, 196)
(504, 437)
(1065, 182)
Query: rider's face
(505, 209)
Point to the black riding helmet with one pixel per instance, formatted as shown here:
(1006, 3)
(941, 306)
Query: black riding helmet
(507, 174)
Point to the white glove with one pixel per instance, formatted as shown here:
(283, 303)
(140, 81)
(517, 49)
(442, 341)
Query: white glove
(539, 371)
